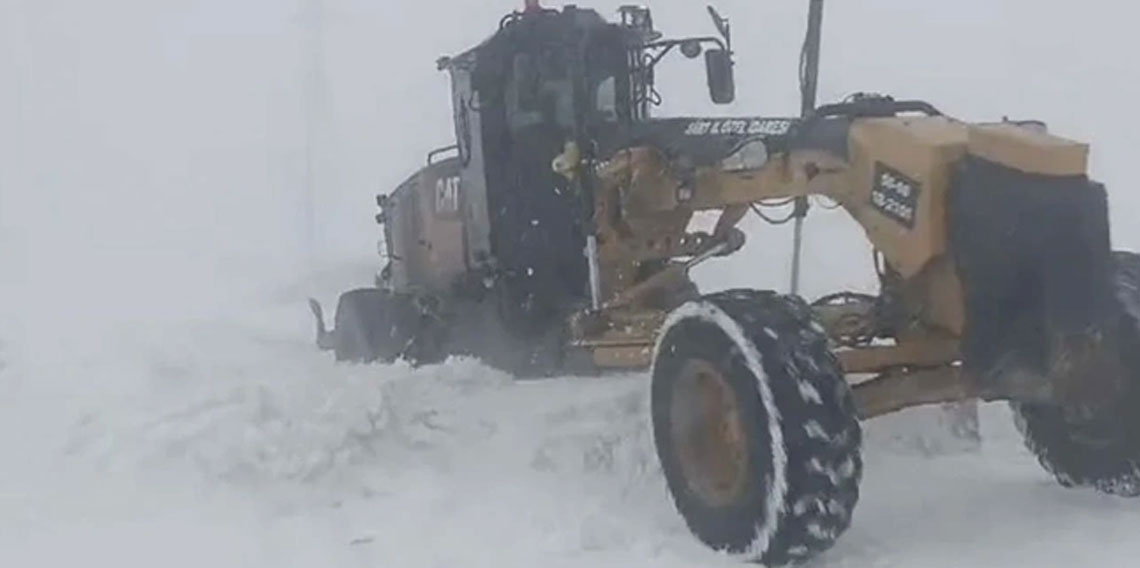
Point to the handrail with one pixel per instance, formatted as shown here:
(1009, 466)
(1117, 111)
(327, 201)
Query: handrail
(431, 155)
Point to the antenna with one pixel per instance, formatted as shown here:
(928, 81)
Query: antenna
(722, 26)
(809, 79)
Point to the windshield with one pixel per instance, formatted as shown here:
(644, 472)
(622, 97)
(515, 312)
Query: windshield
(606, 100)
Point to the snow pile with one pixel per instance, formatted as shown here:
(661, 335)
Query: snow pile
(234, 443)
(243, 410)
(230, 407)
(460, 448)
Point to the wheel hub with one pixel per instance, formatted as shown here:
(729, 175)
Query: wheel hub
(708, 434)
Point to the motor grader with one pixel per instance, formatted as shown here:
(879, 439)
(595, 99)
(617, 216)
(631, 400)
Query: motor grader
(554, 238)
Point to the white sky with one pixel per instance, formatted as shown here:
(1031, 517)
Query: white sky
(150, 144)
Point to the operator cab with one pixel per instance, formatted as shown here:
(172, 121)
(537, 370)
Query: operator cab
(545, 78)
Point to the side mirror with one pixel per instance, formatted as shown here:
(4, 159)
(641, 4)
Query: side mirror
(722, 80)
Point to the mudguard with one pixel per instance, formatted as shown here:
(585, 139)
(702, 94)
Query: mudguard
(1034, 255)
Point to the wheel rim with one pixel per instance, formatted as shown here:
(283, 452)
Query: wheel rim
(708, 434)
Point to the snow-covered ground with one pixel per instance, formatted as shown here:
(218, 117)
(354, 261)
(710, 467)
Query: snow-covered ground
(161, 402)
(230, 442)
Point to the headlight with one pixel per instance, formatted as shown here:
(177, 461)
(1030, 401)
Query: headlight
(751, 156)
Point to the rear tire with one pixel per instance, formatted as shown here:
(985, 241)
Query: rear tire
(756, 427)
(1103, 452)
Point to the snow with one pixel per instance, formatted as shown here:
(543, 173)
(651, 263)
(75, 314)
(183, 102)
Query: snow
(161, 402)
(232, 443)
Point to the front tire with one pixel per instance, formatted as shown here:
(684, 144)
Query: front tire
(756, 427)
(1102, 452)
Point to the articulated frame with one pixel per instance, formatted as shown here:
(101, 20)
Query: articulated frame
(900, 349)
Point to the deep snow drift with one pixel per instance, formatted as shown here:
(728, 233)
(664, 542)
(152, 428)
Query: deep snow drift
(231, 442)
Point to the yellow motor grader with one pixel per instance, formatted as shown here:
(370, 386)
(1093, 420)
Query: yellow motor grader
(553, 238)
